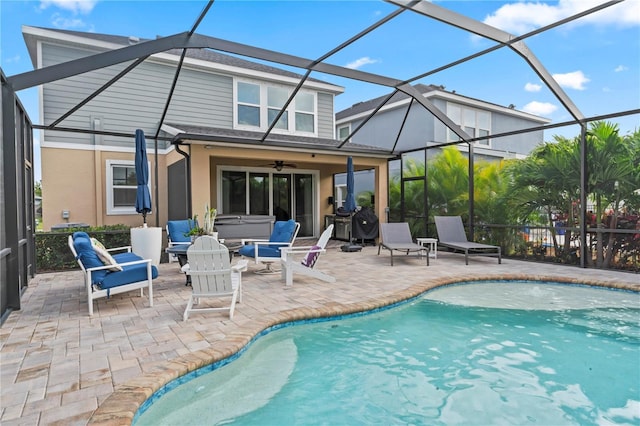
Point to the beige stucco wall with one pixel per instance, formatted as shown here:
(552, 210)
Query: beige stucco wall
(205, 161)
(75, 180)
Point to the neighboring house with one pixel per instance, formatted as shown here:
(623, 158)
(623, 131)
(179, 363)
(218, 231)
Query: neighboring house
(408, 126)
(210, 136)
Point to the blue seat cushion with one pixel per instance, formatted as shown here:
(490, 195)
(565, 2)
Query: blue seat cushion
(263, 251)
(129, 274)
(178, 228)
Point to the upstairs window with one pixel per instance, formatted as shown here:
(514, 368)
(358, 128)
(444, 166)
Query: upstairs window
(276, 98)
(248, 104)
(305, 112)
(258, 105)
(343, 132)
(476, 123)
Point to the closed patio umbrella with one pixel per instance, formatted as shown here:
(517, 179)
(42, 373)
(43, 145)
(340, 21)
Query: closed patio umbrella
(143, 196)
(350, 202)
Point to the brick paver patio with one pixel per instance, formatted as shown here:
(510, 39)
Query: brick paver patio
(60, 366)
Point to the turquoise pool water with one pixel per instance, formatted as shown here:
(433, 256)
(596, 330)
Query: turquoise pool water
(477, 353)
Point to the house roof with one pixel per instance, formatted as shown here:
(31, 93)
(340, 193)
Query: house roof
(371, 104)
(188, 134)
(206, 55)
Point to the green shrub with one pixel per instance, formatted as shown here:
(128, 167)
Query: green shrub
(52, 249)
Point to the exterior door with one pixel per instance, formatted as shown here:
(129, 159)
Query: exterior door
(303, 197)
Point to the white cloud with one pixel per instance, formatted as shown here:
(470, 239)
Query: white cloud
(621, 68)
(532, 87)
(572, 80)
(64, 23)
(75, 6)
(365, 60)
(522, 17)
(539, 108)
(13, 59)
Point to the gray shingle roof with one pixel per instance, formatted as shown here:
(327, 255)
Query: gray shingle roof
(371, 104)
(215, 134)
(207, 55)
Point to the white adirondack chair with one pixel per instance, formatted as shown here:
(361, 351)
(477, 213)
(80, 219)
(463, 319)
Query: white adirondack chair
(306, 266)
(212, 275)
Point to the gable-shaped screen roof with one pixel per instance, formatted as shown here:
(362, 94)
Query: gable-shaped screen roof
(194, 45)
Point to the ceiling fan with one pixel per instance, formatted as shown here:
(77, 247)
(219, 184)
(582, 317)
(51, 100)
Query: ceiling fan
(279, 165)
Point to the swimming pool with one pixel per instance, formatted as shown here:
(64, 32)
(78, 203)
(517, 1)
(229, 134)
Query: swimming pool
(545, 354)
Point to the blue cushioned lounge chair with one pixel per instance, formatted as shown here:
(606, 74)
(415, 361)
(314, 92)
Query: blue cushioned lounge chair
(268, 251)
(176, 233)
(125, 272)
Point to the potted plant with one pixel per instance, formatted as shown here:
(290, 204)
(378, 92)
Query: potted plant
(207, 228)
(195, 230)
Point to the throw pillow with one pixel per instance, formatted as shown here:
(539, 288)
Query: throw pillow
(96, 243)
(105, 256)
(311, 257)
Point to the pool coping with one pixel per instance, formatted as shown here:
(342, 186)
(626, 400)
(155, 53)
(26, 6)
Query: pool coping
(121, 407)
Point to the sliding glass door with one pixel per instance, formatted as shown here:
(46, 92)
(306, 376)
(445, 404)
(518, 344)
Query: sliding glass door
(283, 195)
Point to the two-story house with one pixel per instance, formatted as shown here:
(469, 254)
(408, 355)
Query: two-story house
(407, 126)
(209, 145)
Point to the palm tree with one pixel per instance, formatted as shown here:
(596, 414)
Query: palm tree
(613, 173)
(549, 179)
(448, 183)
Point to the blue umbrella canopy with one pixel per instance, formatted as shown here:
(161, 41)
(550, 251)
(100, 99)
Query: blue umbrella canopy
(143, 196)
(350, 202)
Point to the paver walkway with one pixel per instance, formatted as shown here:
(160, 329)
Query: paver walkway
(60, 366)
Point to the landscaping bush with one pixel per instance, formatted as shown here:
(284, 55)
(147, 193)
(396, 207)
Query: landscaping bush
(52, 249)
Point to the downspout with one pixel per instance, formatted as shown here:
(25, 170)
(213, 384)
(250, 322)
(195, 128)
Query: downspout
(187, 157)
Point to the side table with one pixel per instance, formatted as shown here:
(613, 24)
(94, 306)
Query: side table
(433, 245)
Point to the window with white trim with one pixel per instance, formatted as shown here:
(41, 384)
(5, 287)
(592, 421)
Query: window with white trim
(248, 104)
(257, 105)
(343, 132)
(305, 112)
(276, 98)
(121, 187)
(477, 123)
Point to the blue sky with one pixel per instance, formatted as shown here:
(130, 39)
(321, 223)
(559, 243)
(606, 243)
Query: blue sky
(595, 59)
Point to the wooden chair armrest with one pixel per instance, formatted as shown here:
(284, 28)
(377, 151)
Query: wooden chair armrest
(287, 252)
(241, 266)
